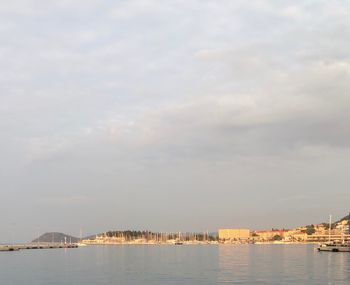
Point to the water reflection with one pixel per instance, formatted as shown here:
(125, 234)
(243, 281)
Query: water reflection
(281, 264)
(184, 265)
(234, 262)
(338, 267)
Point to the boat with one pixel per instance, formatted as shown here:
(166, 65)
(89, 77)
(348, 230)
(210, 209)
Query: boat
(178, 241)
(333, 246)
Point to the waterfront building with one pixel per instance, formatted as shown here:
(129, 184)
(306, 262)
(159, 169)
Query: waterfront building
(320, 229)
(326, 238)
(269, 235)
(234, 235)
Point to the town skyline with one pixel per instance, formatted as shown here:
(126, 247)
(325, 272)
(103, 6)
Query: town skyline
(83, 234)
(337, 230)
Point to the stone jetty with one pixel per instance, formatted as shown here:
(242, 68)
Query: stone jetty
(37, 246)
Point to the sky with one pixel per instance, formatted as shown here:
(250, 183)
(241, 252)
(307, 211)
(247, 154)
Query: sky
(172, 115)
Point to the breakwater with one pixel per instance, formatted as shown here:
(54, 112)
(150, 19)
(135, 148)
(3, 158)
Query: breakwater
(36, 246)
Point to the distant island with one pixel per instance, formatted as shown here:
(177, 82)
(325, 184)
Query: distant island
(55, 237)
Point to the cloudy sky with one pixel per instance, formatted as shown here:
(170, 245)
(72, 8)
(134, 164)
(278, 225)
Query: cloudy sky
(172, 115)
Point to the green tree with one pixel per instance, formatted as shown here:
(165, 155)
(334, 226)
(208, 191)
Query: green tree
(277, 237)
(310, 230)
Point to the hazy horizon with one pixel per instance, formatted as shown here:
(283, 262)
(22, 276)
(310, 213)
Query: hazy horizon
(172, 115)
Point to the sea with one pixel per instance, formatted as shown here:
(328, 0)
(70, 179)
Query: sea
(175, 265)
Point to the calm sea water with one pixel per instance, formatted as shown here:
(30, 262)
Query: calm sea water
(224, 264)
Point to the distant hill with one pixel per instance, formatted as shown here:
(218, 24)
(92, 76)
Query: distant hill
(56, 237)
(334, 224)
(346, 218)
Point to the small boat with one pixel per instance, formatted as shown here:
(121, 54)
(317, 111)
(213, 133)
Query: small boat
(334, 247)
(178, 241)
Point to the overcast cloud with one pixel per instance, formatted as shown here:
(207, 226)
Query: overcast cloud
(172, 115)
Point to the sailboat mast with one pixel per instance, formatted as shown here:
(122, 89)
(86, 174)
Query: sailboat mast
(330, 228)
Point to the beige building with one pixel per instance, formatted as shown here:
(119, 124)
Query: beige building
(269, 235)
(234, 234)
(320, 229)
